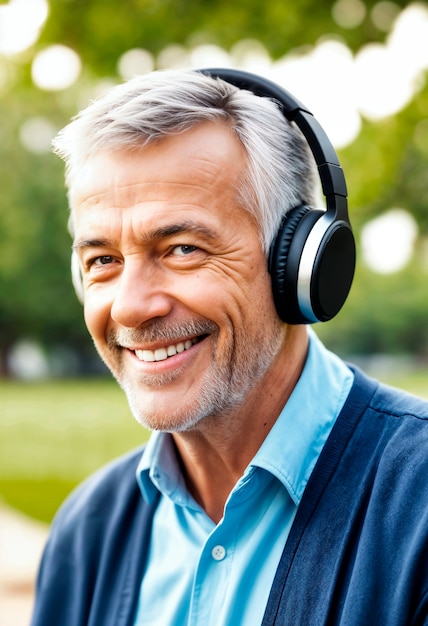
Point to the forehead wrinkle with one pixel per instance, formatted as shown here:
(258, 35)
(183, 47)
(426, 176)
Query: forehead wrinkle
(150, 191)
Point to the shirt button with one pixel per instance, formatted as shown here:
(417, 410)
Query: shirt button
(218, 553)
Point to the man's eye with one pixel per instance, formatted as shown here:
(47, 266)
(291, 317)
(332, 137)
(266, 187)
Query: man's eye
(102, 260)
(183, 250)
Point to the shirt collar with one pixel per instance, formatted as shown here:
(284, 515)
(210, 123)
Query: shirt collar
(159, 470)
(292, 446)
(294, 443)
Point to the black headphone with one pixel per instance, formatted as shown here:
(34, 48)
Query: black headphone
(312, 258)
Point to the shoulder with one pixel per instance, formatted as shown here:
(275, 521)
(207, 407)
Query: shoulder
(104, 521)
(387, 400)
(404, 418)
(393, 432)
(381, 419)
(383, 433)
(399, 403)
(95, 500)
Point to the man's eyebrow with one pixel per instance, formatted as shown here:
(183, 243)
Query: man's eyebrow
(156, 234)
(90, 243)
(176, 229)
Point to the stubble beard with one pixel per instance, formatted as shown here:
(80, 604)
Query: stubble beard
(223, 387)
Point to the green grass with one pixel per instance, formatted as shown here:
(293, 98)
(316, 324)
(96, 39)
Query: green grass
(54, 433)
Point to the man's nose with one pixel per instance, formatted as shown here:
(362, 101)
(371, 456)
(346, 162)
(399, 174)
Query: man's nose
(140, 295)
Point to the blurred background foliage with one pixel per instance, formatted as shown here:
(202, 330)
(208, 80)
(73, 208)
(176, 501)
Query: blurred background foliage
(96, 43)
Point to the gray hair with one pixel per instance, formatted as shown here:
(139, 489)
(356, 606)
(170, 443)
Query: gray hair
(280, 171)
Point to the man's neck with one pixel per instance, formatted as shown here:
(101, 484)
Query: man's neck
(214, 456)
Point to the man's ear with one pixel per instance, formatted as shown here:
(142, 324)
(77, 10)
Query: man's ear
(76, 276)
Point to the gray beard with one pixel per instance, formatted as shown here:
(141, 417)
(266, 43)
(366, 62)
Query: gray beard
(224, 386)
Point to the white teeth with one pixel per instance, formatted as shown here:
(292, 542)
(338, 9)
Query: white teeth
(150, 356)
(160, 354)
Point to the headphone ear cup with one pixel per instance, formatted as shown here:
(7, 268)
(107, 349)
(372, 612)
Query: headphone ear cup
(332, 272)
(284, 261)
(312, 288)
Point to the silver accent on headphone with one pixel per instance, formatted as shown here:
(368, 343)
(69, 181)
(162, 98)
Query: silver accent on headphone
(307, 264)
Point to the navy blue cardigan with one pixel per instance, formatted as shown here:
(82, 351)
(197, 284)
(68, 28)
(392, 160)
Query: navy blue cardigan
(357, 554)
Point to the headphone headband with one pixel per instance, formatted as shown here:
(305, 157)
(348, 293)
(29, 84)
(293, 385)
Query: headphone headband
(331, 174)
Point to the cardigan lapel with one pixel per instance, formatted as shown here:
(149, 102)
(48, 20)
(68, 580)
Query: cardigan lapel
(357, 401)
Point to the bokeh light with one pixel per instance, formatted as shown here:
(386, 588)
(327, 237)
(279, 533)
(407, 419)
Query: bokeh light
(251, 55)
(383, 15)
(134, 62)
(55, 68)
(383, 85)
(323, 80)
(21, 22)
(388, 241)
(349, 13)
(27, 361)
(36, 134)
(208, 55)
(408, 40)
(173, 56)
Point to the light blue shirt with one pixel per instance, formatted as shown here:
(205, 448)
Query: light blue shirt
(202, 574)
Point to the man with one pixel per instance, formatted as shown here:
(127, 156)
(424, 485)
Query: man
(279, 486)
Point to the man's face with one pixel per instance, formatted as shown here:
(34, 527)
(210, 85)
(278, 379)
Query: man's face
(177, 292)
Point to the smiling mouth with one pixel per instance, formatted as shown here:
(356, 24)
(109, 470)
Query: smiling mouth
(161, 354)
